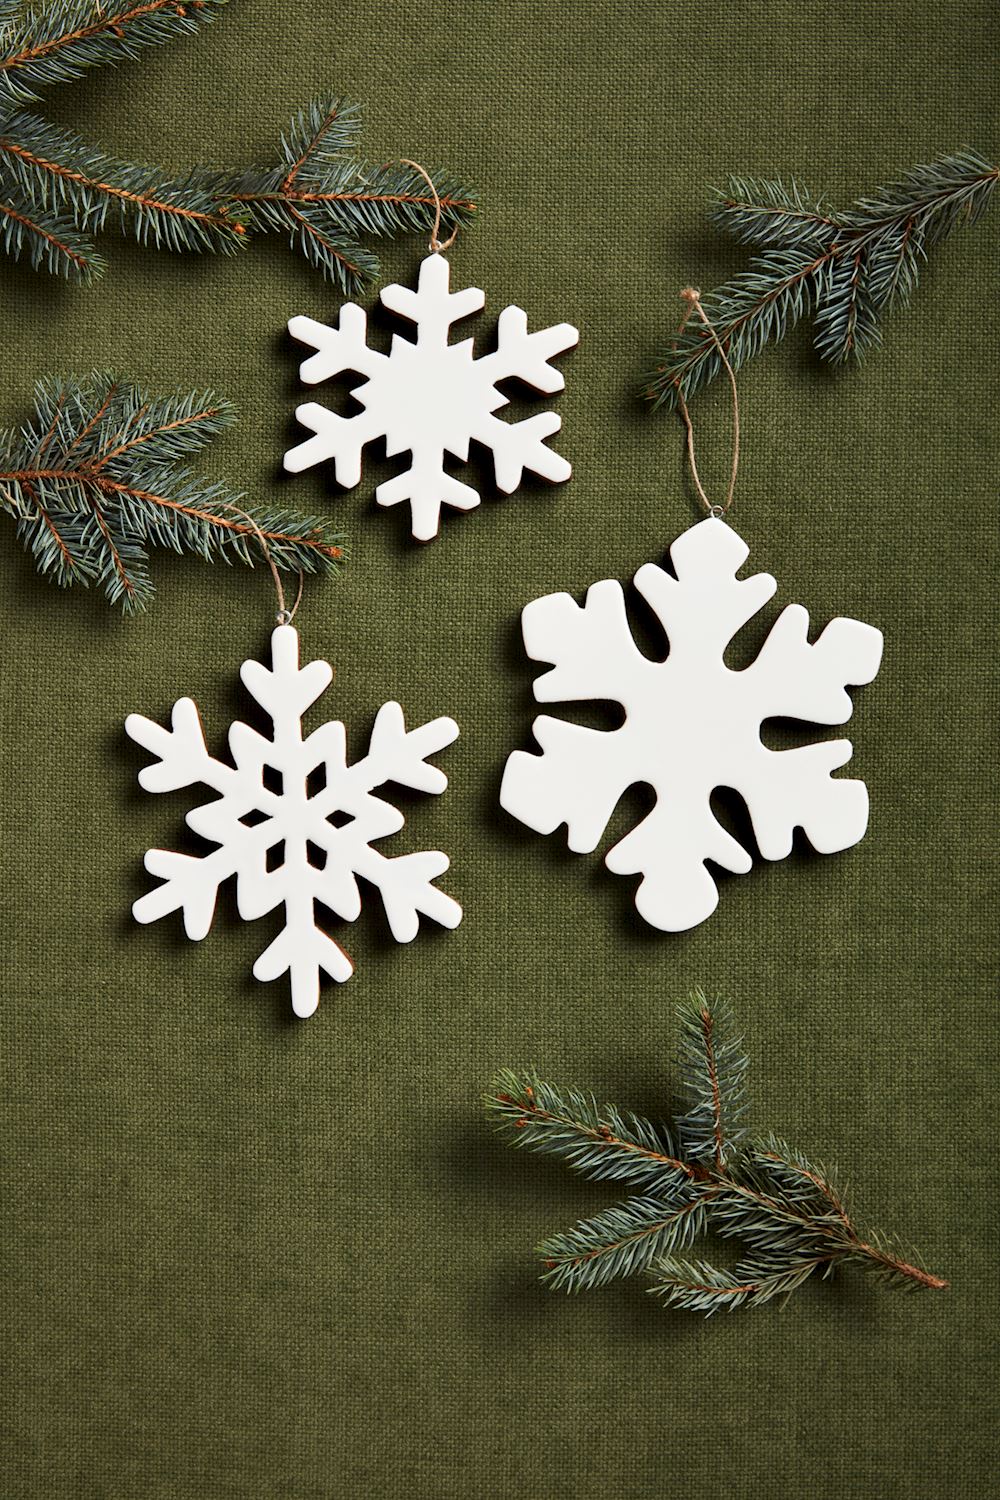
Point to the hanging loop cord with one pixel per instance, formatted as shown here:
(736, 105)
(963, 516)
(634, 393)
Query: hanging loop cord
(692, 300)
(284, 615)
(437, 245)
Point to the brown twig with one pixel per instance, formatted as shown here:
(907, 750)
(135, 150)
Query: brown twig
(845, 240)
(337, 253)
(707, 1027)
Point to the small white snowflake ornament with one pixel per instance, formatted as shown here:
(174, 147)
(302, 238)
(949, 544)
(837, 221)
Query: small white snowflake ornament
(691, 724)
(294, 821)
(430, 398)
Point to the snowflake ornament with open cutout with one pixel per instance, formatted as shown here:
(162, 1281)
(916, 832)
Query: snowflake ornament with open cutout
(430, 398)
(294, 821)
(692, 724)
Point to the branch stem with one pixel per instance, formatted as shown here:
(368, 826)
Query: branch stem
(146, 201)
(901, 1267)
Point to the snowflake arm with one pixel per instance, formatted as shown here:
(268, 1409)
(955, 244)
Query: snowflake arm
(786, 789)
(794, 679)
(183, 759)
(303, 951)
(581, 773)
(426, 486)
(284, 690)
(432, 308)
(322, 835)
(590, 647)
(517, 446)
(406, 885)
(190, 884)
(705, 605)
(526, 356)
(669, 849)
(398, 754)
(577, 780)
(339, 349)
(341, 438)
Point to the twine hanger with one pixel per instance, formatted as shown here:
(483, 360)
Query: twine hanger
(692, 300)
(284, 615)
(437, 246)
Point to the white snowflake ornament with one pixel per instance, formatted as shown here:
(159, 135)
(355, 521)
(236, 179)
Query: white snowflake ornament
(691, 724)
(294, 822)
(430, 398)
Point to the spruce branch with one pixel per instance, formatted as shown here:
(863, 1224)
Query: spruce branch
(707, 1174)
(97, 479)
(56, 41)
(325, 198)
(846, 268)
(57, 190)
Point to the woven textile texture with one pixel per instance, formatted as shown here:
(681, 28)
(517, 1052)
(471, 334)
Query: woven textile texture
(246, 1257)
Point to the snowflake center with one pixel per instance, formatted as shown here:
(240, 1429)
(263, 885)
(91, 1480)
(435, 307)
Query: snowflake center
(435, 393)
(700, 736)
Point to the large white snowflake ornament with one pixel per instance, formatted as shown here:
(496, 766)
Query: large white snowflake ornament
(430, 398)
(692, 724)
(294, 822)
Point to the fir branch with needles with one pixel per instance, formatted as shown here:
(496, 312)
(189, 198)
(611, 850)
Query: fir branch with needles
(99, 476)
(326, 200)
(844, 268)
(706, 1174)
(57, 191)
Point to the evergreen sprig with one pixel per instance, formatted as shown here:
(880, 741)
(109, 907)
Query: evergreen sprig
(704, 1175)
(846, 268)
(325, 198)
(98, 477)
(57, 191)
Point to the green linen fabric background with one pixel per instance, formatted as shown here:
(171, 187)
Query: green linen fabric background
(248, 1257)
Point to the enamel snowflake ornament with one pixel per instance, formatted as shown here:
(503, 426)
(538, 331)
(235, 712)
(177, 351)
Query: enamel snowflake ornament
(692, 724)
(294, 821)
(430, 398)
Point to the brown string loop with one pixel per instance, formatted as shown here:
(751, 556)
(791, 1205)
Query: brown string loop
(692, 300)
(436, 245)
(284, 616)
